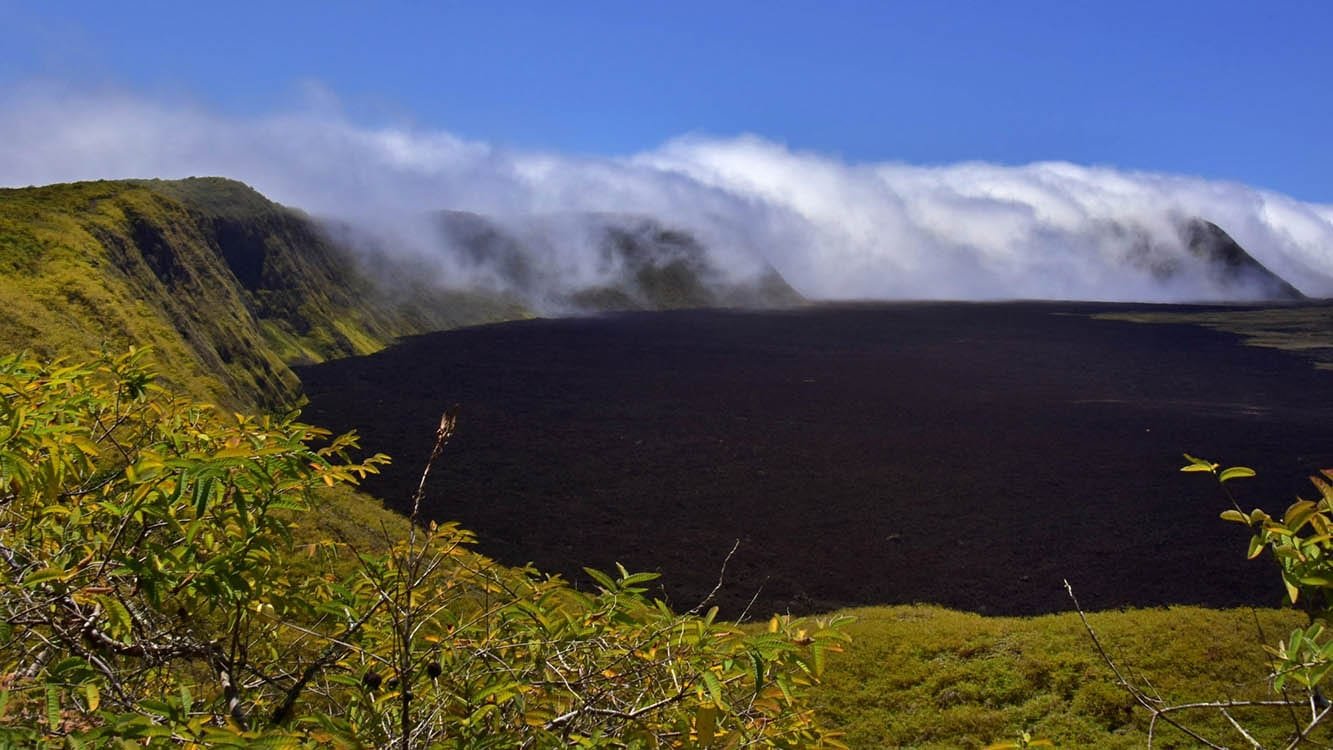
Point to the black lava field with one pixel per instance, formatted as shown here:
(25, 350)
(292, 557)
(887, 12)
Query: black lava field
(970, 455)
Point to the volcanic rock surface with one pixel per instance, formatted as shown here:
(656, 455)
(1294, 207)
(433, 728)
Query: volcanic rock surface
(972, 455)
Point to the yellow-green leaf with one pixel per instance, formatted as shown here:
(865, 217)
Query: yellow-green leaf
(1235, 472)
(714, 687)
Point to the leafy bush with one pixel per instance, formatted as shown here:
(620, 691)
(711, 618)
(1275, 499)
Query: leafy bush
(152, 591)
(1302, 544)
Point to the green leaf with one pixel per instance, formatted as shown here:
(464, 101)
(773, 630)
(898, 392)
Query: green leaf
(758, 660)
(1298, 514)
(1235, 472)
(1235, 515)
(117, 615)
(275, 742)
(52, 707)
(1293, 591)
(601, 578)
(714, 687)
(200, 497)
(1198, 464)
(44, 575)
(630, 580)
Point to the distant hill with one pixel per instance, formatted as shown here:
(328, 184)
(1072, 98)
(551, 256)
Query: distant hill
(1230, 264)
(638, 264)
(1207, 253)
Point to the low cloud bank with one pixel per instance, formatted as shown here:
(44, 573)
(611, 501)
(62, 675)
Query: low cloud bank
(834, 230)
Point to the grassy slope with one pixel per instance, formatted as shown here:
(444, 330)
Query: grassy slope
(926, 677)
(103, 264)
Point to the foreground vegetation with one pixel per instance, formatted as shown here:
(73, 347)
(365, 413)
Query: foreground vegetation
(153, 591)
(171, 574)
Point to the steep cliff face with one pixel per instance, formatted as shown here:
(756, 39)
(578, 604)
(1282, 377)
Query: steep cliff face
(228, 287)
(308, 293)
(111, 264)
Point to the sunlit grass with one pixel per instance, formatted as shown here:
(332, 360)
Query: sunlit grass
(1300, 328)
(927, 677)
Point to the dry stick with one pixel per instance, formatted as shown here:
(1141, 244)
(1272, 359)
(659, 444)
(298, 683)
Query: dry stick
(448, 420)
(745, 613)
(1134, 692)
(721, 574)
(627, 715)
(332, 652)
(1314, 722)
(403, 610)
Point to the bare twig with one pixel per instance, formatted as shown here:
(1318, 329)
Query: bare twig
(333, 651)
(1236, 724)
(721, 574)
(1143, 700)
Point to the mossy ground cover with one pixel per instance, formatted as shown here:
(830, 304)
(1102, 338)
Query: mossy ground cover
(928, 677)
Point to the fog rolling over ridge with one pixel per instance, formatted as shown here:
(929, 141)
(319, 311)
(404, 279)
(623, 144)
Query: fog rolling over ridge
(833, 230)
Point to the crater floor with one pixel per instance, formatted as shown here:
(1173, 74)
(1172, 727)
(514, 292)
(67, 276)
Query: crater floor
(971, 455)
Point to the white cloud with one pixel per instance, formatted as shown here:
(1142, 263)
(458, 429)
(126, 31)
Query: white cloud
(835, 230)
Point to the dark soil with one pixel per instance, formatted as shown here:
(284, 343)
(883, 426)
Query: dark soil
(971, 455)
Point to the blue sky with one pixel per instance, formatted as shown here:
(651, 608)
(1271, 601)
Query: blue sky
(1228, 90)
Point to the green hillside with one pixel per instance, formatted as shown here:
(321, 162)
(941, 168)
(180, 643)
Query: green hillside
(228, 287)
